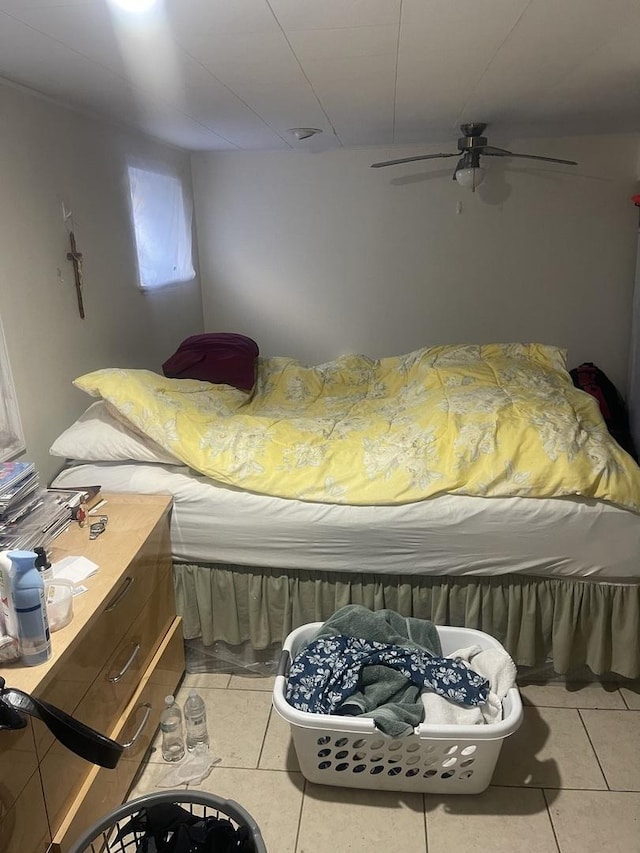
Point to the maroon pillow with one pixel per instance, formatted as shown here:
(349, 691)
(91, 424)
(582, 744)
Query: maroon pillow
(221, 357)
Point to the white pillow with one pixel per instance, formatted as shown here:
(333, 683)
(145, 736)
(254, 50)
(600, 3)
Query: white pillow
(97, 436)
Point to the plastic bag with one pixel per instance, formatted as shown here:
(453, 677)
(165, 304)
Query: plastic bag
(190, 771)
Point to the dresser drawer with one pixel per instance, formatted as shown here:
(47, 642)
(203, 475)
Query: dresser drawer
(161, 679)
(104, 789)
(81, 666)
(24, 826)
(105, 700)
(118, 680)
(18, 762)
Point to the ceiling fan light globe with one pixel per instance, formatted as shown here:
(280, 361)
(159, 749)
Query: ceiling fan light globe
(471, 177)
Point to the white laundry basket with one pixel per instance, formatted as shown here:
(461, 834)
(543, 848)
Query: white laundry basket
(353, 753)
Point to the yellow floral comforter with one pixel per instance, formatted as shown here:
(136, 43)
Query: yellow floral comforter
(494, 420)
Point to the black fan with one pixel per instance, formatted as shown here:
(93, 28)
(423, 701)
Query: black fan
(471, 145)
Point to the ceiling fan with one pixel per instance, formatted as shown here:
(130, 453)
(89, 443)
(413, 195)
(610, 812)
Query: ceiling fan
(468, 171)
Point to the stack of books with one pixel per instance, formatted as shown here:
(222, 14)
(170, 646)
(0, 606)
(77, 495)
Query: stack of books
(17, 481)
(29, 516)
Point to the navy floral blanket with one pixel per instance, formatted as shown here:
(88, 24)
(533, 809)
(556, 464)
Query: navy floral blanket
(332, 675)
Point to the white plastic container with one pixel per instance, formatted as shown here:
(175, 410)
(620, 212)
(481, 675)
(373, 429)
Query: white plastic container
(58, 596)
(353, 753)
(7, 610)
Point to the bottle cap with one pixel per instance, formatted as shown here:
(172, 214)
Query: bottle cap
(42, 561)
(169, 700)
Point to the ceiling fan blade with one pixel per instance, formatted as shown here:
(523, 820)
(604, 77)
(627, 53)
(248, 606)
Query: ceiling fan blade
(411, 159)
(493, 153)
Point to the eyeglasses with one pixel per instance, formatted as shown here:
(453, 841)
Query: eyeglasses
(98, 527)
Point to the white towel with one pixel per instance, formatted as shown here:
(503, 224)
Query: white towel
(493, 664)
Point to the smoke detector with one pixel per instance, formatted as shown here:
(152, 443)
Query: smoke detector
(301, 133)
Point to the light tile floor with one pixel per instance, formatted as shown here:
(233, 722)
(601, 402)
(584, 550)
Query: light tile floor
(567, 782)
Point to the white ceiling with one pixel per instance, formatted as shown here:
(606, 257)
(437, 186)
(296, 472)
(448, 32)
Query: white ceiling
(238, 74)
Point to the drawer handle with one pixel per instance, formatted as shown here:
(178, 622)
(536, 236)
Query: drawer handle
(114, 679)
(138, 732)
(120, 595)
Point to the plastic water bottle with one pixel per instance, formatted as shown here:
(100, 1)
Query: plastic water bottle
(195, 718)
(30, 608)
(171, 728)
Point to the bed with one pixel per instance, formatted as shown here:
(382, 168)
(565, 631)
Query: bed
(543, 556)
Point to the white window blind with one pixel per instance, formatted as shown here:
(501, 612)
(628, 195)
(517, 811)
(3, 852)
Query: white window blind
(162, 225)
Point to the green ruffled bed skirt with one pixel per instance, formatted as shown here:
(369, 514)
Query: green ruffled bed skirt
(574, 623)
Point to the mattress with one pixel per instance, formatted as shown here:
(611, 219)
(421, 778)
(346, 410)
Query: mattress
(446, 535)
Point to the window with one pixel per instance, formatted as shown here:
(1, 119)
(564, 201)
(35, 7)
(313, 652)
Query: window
(162, 225)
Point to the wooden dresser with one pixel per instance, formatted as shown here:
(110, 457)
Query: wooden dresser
(111, 668)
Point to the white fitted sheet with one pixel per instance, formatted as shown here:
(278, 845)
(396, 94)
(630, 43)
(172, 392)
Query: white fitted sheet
(451, 534)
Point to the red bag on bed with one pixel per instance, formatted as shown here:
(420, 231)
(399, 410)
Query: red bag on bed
(587, 377)
(225, 358)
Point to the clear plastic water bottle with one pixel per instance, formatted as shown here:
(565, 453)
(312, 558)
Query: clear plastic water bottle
(171, 728)
(195, 718)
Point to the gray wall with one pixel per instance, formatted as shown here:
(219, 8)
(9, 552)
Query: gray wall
(49, 155)
(318, 254)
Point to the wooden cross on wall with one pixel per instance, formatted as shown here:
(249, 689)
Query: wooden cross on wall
(76, 259)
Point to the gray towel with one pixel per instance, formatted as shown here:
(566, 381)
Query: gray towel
(383, 626)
